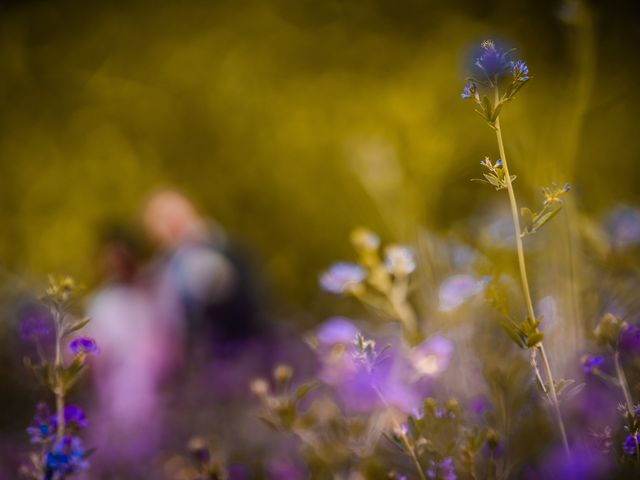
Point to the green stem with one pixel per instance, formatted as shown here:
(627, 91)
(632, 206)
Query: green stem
(403, 437)
(523, 276)
(59, 389)
(622, 380)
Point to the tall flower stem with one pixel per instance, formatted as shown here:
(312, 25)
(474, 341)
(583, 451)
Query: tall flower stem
(523, 276)
(622, 381)
(59, 388)
(403, 437)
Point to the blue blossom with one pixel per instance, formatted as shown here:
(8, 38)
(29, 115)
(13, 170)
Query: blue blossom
(83, 345)
(336, 330)
(630, 444)
(73, 417)
(520, 71)
(342, 277)
(492, 60)
(67, 456)
(36, 323)
(399, 260)
(457, 289)
(591, 363)
(442, 470)
(470, 90)
(432, 356)
(629, 339)
(42, 428)
(623, 227)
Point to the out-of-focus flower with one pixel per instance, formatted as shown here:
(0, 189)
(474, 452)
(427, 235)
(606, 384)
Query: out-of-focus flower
(73, 417)
(591, 363)
(66, 456)
(342, 277)
(457, 289)
(630, 445)
(442, 470)
(492, 61)
(582, 464)
(432, 356)
(42, 428)
(629, 339)
(365, 240)
(83, 345)
(623, 227)
(399, 260)
(36, 323)
(336, 330)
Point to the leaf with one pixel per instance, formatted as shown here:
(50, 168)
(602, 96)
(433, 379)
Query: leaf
(76, 326)
(539, 219)
(304, 389)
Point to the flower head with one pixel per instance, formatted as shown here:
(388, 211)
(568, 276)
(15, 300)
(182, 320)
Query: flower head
(67, 456)
(520, 71)
(399, 260)
(492, 60)
(84, 345)
(592, 363)
(36, 323)
(470, 90)
(42, 428)
(630, 444)
(342, 277)
(442, 470)
(457, 289)
(432, 356)
(629, 339)
(73, 417)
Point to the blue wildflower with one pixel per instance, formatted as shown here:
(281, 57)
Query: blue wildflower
(442, 470)
(399, 260)
(629, 339)
(42, 428)
(591, 363)
(73, 417)
(630, 444)
(470, 90)
(36, 323)
(492, 61)
(83, 345)
(520, 71)
(342, 277)
(67, 456)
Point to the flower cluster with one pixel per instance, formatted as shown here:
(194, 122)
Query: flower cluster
(382, 283)
(61, 451)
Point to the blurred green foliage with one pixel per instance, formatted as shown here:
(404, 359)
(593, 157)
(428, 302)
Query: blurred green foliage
(292, 121)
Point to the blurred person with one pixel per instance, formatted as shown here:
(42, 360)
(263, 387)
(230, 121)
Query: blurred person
(203, 274)
(138, 350)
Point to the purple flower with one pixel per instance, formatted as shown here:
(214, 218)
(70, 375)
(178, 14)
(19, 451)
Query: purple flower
(520, 71)
(342, 277)
(623, 226)
(457, 289)
(36, 323)
(42, 428)
(591, 363)
(442, 470)
(66, 456)
(399, 260)
(583, 464)
(630, 444)
(73, 417)
(470, 90)
(336, 330)
(84, 345)
(629, 339)
(492, 60)
(432, 356)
